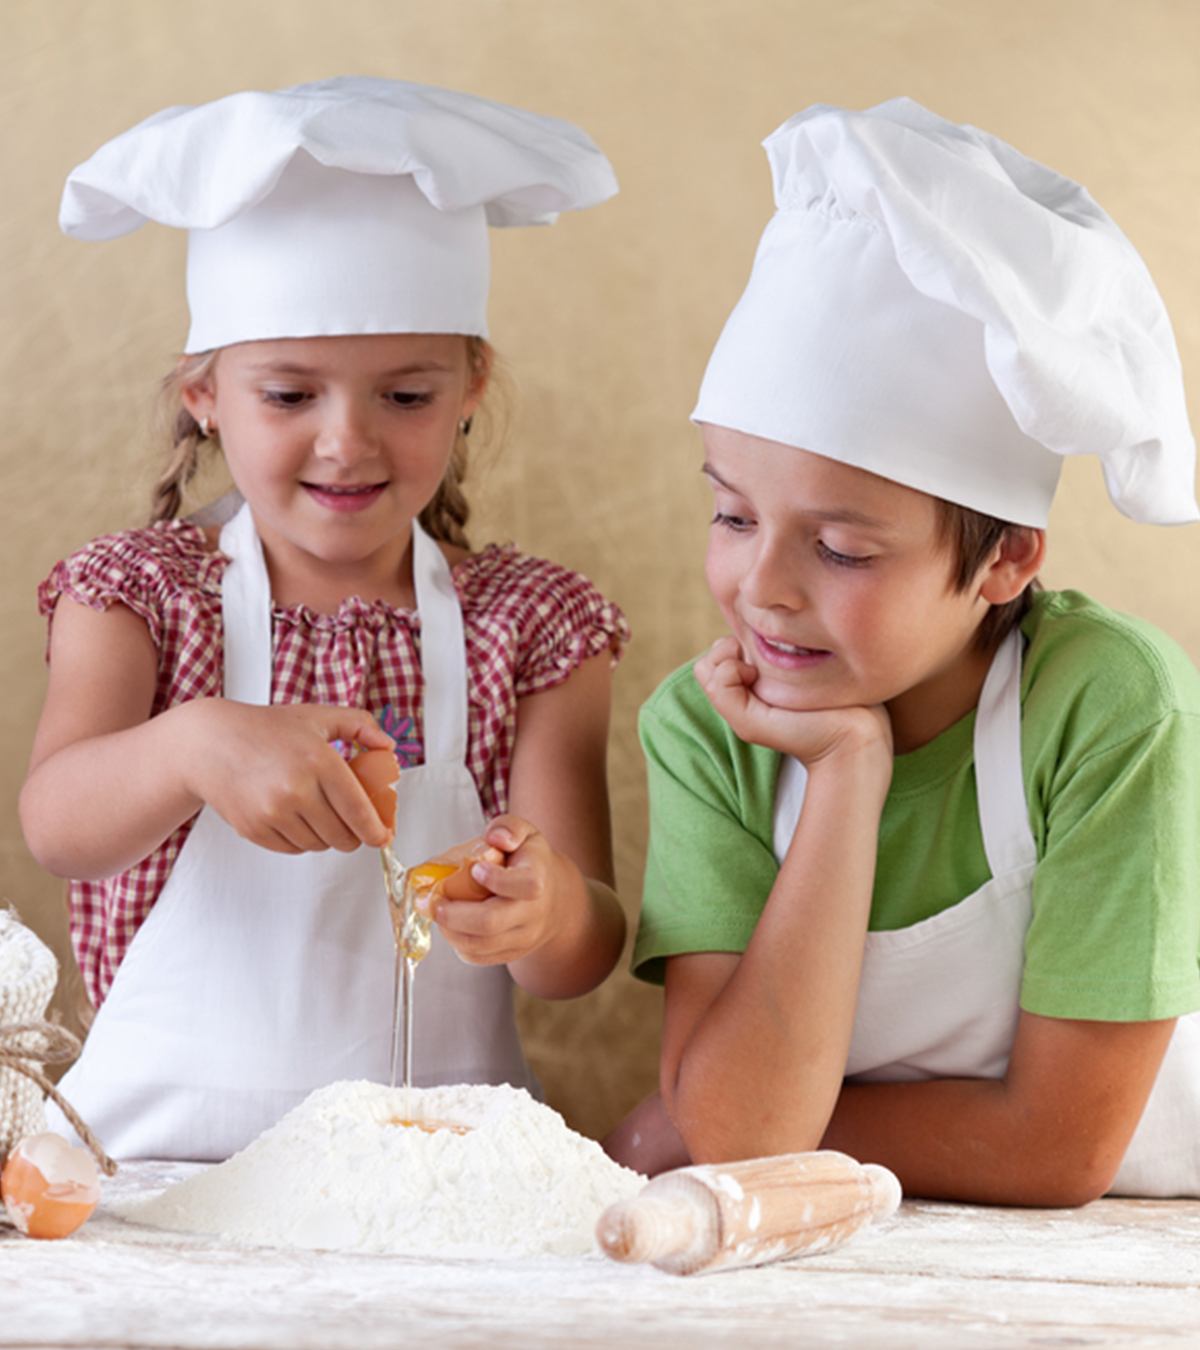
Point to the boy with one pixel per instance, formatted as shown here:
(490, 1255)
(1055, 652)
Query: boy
(924, 877)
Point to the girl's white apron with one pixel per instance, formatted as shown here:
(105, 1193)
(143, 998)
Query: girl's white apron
(940, 999)
(260, 976)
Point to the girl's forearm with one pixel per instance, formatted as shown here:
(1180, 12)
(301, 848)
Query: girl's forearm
(586, 944)
(760, 1071)
(97, 806)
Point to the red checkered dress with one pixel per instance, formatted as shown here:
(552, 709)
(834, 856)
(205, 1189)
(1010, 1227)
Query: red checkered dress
(528, 623)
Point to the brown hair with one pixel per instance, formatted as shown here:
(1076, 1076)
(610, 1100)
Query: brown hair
(971, 537)
(445, 516)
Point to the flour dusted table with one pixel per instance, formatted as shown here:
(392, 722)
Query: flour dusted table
(1116, 1273)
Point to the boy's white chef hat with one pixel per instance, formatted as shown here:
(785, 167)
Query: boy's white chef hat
(932, 306)
(352, 205)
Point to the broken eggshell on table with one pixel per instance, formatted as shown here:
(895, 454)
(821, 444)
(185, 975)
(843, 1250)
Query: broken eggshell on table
(48, 1187)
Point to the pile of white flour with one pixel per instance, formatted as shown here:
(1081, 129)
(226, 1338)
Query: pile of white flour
(338, 1173)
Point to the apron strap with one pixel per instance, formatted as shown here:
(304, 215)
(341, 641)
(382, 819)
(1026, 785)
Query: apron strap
(999, 782)
(443, 667)
(246, 612)
(790, 785)
(1000, 786)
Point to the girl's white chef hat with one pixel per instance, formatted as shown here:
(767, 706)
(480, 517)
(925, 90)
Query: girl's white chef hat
(352, 205)
(932, 306)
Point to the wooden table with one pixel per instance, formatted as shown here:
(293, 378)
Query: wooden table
(1117, 1273)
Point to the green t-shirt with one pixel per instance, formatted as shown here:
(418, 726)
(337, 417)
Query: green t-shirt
(1110, 743)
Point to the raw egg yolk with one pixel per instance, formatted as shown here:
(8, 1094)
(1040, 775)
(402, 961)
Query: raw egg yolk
(431, 1126)
(430, 873)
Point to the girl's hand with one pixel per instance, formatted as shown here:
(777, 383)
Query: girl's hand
(530, 900)
(108, 781)
(274, 776)
(810, 736)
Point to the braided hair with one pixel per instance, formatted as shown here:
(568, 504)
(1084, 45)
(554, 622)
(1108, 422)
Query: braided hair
(444, 517)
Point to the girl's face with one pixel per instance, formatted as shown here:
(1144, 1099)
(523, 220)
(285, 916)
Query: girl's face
(838, 588)
(338, 442)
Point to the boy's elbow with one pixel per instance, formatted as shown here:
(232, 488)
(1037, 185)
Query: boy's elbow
(1070, 1190)
(1067, 1178)
(1082, 1181)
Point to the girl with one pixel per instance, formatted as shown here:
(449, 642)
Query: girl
(924, 873)
(230, 924)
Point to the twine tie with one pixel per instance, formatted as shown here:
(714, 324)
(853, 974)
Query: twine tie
(57, 1046)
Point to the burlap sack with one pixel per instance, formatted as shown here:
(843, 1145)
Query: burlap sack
(28, 972)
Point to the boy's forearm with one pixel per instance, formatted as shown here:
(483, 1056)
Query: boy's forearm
(962, 1139)
(758, 1068)
(1053, 1131)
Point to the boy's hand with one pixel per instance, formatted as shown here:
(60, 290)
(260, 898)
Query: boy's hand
(520, 916)
(810, 736)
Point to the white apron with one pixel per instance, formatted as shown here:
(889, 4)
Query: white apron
(259, 976)
(940, 999)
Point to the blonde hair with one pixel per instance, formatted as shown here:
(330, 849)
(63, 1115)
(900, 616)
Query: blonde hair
(187, 441)
(444, 517)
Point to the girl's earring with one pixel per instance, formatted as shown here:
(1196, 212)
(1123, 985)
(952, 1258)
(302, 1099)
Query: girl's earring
(208, 432)
(464, 427)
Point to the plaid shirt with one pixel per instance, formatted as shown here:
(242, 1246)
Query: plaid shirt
(527, 623)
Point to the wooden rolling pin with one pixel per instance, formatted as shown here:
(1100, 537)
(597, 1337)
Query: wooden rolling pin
(747, 1213)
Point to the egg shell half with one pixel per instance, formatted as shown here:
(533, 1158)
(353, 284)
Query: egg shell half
(378, 771)
(49, 1188)
(460, 884)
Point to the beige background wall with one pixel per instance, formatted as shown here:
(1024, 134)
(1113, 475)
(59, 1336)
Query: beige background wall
(605, 321)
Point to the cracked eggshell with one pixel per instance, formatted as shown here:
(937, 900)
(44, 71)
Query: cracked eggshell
(449, 874)
(49, 1188)
(378, 771)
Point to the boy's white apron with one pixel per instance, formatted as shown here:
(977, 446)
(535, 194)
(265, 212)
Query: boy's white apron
(940, 999)
(259, 976)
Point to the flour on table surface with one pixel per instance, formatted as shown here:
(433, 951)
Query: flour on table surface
(339, 1173)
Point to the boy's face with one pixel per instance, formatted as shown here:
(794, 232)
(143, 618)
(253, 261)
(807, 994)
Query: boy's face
(838, 588)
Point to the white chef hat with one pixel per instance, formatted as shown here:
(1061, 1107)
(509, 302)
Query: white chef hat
(352, 205)
(930, 305)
